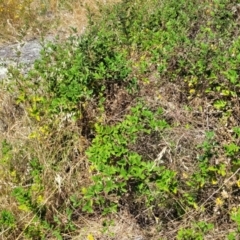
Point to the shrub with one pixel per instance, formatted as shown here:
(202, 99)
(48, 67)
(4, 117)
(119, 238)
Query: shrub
(119, 173)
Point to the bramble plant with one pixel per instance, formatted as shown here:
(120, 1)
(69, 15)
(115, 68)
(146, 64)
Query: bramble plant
(92, 70)
(197, 231)
(235, 216)
(135, 119)
(118, 170)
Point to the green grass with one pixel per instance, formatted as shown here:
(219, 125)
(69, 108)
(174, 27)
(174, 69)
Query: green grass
(138, 117)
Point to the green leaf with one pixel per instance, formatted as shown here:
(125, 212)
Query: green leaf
(231, 149)
(220, 104)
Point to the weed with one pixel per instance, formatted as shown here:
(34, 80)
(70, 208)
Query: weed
(7, 219)
(235, 216)
(118, 171)
(196, 232)
(138, 115)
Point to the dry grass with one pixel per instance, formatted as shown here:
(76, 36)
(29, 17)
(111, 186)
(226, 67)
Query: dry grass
(59, 146)
(121, 226)
(28, 19)
(72, 172)
(41, 19)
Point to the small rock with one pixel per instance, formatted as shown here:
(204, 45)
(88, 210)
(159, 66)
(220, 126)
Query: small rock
(24, 53)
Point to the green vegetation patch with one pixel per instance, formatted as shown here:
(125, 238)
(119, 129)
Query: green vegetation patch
(139, 115)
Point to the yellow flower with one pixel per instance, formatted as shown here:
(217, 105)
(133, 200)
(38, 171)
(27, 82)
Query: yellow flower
(192, 91)
(40, 200)
(219, 202)
(90, 237)
(214, 181)
(238, 183)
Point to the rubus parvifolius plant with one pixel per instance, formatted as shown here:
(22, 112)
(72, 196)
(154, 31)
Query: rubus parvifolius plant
(208, 57)
(70, 75)
(196, 232)
(235, 216)
(119, 172)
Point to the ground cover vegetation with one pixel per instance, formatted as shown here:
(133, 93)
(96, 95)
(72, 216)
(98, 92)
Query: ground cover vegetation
(137, 117)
